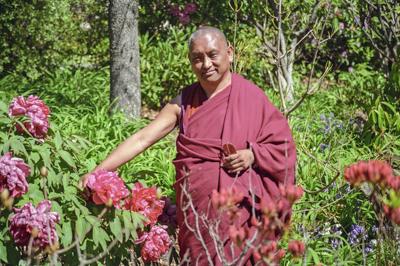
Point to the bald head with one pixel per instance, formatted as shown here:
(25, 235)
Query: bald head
(204, 30)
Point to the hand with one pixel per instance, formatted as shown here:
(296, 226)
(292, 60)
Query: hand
(239, 161)
(83, 181)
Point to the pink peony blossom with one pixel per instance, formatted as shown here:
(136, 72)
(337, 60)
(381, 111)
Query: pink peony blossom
(35, 110)
(13, 173)
(39, 222)
(145, 201)
(156, 243)
(106, 187)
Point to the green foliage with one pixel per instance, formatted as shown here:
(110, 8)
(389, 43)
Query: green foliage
(165, 67)
(81, 135)
(62, 33)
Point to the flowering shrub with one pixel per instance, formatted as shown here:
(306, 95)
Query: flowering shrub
(106, 187)
(38, 223)
(385, 185)
(146, 202)
(34, 109)
(155, 243)
(271, 220)
(183, 15)
(13, 173)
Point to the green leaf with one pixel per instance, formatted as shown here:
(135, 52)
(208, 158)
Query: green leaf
(80, 228)
(45, 154)
(3, 251)
(67, 157)
(126, 216)
(17, 146)
(116, 229)
(66, 238)
(58, 141)
(100, 237)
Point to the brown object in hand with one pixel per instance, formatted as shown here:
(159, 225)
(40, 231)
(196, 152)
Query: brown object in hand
(229, 149)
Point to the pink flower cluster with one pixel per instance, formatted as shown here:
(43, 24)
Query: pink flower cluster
(271, 220)
(183, 15)
(269, 252)
(145, 201)
(379, 174)
(297, 248)
(155, 243)
(106, 188)
(376, 172)
(35, 110)
(13, 173)
(36, 222)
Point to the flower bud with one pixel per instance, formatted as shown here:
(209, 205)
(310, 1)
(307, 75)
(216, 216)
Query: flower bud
(54, 247)
(109, 203)
(43, 171)
(8, 203)
(4, 195)
(34, 232)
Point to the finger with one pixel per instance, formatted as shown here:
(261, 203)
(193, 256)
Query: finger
(231, 157)
(236, 170)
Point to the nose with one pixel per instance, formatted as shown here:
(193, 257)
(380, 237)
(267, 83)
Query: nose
(207, 62)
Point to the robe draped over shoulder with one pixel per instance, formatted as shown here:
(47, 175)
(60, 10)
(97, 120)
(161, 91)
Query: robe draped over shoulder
(240, 114)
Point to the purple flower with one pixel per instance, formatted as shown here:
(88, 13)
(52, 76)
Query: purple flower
(341, 26)
(38, 223)
(174, 10)
(184, 19)
(13, 173)
(168, 217)
(323, 147)
(190, 8)
(357, 234)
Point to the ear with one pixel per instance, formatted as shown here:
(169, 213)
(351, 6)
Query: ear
(230, 52)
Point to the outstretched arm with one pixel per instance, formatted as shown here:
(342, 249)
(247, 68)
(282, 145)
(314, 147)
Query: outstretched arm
(164, 123)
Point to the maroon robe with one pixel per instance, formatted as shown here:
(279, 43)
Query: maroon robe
(240, 114)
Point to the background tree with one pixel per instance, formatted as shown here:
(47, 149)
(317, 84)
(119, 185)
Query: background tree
(124, 57)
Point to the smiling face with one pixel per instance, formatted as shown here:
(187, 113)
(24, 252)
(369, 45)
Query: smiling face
(210, 57)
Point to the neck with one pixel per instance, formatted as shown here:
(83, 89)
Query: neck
(212, 89)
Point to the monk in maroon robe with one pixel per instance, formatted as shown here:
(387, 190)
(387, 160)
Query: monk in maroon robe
(222, 107)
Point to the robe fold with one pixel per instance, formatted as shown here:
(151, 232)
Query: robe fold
(240, 114)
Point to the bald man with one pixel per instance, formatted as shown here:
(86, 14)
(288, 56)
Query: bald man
(222, 107)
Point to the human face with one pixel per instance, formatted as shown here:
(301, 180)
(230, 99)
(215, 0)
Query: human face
(210, 58)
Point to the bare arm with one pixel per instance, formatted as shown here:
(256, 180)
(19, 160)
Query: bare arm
(163, 124)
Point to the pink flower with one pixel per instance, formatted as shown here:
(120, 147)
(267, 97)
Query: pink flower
(106, 187)
(291, 192)
(296, 247)
(35, 110)
(145, 201)
(392, 213)
(376, 172)
(38, 222)
(13, 173)
(156, 243)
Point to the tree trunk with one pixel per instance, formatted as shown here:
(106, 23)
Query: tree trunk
(124, 57)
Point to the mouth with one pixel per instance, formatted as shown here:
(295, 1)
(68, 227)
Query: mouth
(209, 73)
